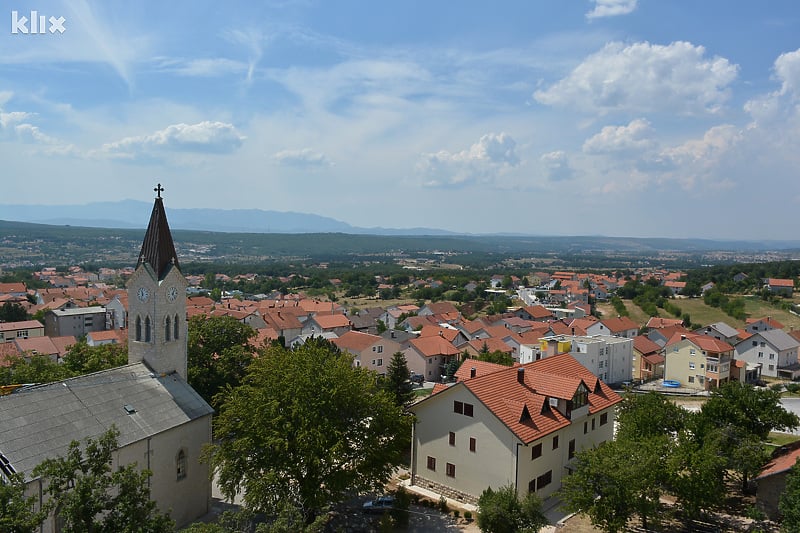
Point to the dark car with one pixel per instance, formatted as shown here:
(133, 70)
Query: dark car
(378, 505)
(417, 378)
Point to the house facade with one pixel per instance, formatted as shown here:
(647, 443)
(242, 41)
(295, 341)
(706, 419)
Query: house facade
(520, 426)
(698, 362)
(607, 357)
(775, 350)
(10, 331)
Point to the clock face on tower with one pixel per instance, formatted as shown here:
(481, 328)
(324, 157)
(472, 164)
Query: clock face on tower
(143, 294)
(172, 294)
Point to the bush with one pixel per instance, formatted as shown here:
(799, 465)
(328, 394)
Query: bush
(467, 515)
(777, 387)
(456, 514)
(443, 504)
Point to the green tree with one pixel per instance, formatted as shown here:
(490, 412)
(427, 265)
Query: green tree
(756, 411)
(219, 352)
(84, 359)
(17, 511)
(12, 312)
(498, 357)
(35, 369)
(789, 504)
(307, 428)
(396, 382)
(643, 416)
(617, 481)
(500, 511)
(696, 475)
(91, 497)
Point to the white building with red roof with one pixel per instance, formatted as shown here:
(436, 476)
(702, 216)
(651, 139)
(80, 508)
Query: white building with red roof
(517, 425)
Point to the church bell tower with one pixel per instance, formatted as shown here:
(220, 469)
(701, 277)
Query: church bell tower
(157, 328)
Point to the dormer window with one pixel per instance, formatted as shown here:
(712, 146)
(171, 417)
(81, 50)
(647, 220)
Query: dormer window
(581, 397)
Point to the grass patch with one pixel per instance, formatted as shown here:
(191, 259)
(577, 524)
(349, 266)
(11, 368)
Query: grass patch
(705, 314)
(782, 439)
(422, 393)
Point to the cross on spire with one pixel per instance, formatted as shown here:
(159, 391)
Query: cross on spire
(159, 189)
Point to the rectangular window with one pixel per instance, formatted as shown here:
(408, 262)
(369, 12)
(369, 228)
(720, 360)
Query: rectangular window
(593, 424)
(380, 349)
(544, 480)
(458, 407)
(755, 343)
(571, 453)
(380, 362)
(468, 409)
(604, 419)
(473, 444)
(536, 451)
(691, 379)
(532, 486)
(451, 470)
(771, 356)
(555, 442)
(586, 427)
(691, 366)
(452, 439)
(432, 463)
(772, 367)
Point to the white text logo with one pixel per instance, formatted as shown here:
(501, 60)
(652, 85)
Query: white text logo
(37, 24)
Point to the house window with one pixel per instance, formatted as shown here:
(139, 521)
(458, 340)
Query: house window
(536, 451)
(458, 407)
(180, 465)
(544, 480)
(586, 427)
(532, 485)
(772, 367)
(138, 328)
(450, 470)
(580, 398)
(592, 424)
(604, 419)
(452, 439)
(380, 349)
(691, 379)
(380, 362)
(167, 328)
(771, 356)
(473, 444)
(468, 409)
(555, 442)
(571, 453)
(432, 463)
(691, 366)
(755, 343)
(692, 351)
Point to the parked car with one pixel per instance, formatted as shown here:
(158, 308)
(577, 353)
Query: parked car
(417, 378)
(378, 505)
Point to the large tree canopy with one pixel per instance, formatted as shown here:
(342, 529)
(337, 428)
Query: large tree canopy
(308, 428)
(219, 352)
(502, 512)
(90, 496)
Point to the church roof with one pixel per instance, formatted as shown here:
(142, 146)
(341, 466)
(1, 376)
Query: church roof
(39, 422)
(157, 248)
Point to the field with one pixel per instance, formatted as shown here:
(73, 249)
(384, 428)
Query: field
(701, 313)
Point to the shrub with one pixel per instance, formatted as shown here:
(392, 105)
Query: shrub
(443, 504)
(777, 387)
(456, 514)
(467, 515)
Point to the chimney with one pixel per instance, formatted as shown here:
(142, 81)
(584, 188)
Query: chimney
(472, 372)
(521, 375)
(683, 337)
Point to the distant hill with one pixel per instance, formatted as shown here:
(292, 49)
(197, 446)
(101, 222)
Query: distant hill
(134, 214)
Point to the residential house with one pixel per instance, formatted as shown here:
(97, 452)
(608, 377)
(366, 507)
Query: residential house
(741, 276)
(675, 287)
(754, 325)
(369, 351)
(77, 322)
(535, 313)
(721, 331)
(657, 322)
(697, 361)
(99, 338)
(429, 356)
(454, 336)
(622, 326)
(606, 356)
(16, 289)
(775, 350)
(662, 335)
(771, 482)
(37, 347)
(518, 426)
(9, 331)
(648, 359)
(782, 287)
(338, 324)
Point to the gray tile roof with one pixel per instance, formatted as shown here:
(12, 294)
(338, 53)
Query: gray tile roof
(780, 339)
(39, 422)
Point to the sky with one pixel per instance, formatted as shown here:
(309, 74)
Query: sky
(639, 118)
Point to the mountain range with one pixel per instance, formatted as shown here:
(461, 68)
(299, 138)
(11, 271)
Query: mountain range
(127, 214)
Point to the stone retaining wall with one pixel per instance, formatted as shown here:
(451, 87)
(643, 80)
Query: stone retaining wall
(443, 490)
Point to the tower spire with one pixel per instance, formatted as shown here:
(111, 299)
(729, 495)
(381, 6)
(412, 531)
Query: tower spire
(157, 247)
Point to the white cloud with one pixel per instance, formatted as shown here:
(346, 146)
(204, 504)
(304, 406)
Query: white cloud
(700, 161)
(611, 8)
(631, 138)
(644, 77)
(484, 161)
(787, 70)
(202, 67)
(203, 137)
(556, 166)
(305, 157)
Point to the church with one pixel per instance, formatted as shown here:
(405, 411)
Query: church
(163, 422)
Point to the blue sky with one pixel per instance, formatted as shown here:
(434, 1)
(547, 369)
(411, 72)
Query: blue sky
(652, 118)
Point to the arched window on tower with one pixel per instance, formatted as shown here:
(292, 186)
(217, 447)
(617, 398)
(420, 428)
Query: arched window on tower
(167, 328)
(176, 328)
(147, 329)
(180, 465)
(138, 328)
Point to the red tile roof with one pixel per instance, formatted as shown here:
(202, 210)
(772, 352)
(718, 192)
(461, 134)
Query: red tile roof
(356, 341)
(779, 464)
(481, 369)
(657, 322)
(523, 407)
(645, 346)
(766, 320)
(430, 346)
(619, 324)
